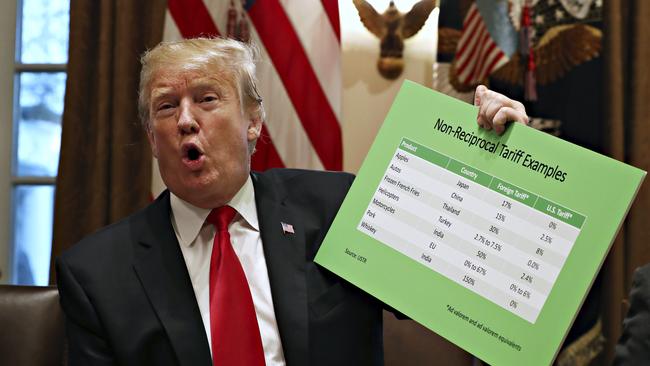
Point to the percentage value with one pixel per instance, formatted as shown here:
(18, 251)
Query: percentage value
(513, 304)
(474, 267)
(534, 265)
(506, 204)
(494, 229)
(526, 277)
(501, 217)
(539, 252)
(552, 225)
(481, 254)
(545, 238)
(468, 280)
(488, 243)
(519, 291)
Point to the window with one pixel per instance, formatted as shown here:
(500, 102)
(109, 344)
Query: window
(39, 65)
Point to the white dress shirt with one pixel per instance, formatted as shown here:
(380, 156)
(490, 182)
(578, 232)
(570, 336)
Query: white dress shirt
(196, 240)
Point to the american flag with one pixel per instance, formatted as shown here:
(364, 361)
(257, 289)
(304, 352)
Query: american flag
(299, 74)
(487, 41)
(287, 228)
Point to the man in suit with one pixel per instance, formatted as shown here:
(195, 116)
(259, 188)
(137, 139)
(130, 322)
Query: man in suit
(150, 289)
(633, 347)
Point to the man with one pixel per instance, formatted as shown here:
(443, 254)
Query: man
(209, 270)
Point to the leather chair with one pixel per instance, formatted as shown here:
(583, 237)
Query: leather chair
(407, 343)
(32, 333)
(31, 326)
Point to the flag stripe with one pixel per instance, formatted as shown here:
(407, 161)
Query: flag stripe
(284, 125)
(171, 32)
(493, 54)
(468, 47)
(486, 59)
(265, 155)
(477, 53)
(299, 79)
(471, 22)
(470, 59)
(497, 62)
(192, 18)
(198, 22)
(282, 122)
(332, 9)
(320, 45)
(482, 58)
(299, 116)
(471, 14)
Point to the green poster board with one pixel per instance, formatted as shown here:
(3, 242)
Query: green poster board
(490, 241)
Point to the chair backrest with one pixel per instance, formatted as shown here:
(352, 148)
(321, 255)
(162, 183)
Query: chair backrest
(31, 326)
(407, 343)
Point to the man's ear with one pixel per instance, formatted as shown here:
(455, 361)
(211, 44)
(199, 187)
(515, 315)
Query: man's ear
(152, 141)
(254, 128)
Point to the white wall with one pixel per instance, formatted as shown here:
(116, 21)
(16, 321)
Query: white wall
(367, 96)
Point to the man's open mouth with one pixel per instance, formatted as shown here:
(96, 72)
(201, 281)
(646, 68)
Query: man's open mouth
(191, 152)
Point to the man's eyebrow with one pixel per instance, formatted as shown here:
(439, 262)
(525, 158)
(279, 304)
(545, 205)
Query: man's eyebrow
(164, 91)
(161, 93)
(203, 84)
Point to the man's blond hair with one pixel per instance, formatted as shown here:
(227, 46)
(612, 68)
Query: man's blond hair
(236, 60)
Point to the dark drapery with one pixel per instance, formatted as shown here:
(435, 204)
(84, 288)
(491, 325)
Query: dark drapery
(105, 165)
(627, 96)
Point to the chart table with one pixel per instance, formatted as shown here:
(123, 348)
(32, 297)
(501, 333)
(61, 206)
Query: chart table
(500, 241)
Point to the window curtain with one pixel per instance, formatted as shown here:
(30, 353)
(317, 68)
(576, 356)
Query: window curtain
(626, 51)
(105, 164)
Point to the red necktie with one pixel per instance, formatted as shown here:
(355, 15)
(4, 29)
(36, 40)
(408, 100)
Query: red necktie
(235, 334)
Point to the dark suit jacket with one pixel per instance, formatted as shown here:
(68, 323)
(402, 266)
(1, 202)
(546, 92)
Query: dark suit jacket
(633, 347)
(128, 298)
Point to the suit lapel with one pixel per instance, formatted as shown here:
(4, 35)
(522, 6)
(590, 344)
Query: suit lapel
(162, 271)
(285, 261)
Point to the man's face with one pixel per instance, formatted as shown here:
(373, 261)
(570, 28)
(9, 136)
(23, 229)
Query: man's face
(200, 135)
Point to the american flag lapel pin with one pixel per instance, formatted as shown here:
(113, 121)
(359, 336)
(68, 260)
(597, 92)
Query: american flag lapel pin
(287, 228)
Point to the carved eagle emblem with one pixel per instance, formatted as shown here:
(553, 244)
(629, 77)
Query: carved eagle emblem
(563, 39)
(392, 28)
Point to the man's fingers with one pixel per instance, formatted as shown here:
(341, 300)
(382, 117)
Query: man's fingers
(478, 94)
(507, 114)
(511, 115)
(520, 108)
(495, 109)
(492, 106)
(484, 99)
(521, 116)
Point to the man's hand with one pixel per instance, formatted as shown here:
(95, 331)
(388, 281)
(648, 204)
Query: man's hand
(496, 109)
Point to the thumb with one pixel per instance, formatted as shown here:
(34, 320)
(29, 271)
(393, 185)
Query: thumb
(478, 94)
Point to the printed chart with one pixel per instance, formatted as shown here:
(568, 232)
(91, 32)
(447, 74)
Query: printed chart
(502, 242)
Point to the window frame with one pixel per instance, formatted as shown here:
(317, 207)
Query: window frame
(8, 34)
(10, 70)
